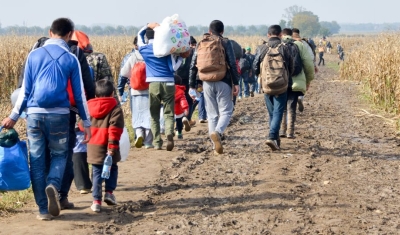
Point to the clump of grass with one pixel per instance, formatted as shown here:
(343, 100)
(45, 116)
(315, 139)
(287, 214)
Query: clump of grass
(11, 201)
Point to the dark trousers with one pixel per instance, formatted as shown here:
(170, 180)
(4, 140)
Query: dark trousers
(110, 183)
(190, 103)
(68, 176)
(289, 114)
(81, 171)
(321, 58)
(179, 124)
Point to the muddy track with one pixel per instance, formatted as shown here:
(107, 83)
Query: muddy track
(339, 176)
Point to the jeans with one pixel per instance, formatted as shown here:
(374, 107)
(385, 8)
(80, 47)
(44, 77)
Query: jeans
(69, 167)
(219, 105)
(202, 107)
(81, 171)
(179, 124)
(162, 92)
(110, 183)
(244, 85)
(52, 131)
(321, 59)
(275, 105)
(289, 114)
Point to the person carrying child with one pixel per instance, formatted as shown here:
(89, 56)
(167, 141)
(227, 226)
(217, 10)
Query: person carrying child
(181, 107)
(107, 127)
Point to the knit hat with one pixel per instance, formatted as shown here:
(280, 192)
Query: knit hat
(248, 48)
(149, 33)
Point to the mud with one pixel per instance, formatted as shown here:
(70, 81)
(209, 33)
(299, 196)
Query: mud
(339, 176)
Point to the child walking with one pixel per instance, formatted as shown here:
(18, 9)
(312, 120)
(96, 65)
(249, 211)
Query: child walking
(181, 107)
(107, 126)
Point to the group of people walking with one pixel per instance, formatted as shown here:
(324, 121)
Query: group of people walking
(63, 78)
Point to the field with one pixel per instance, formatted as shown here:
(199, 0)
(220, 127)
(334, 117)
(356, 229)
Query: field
(339, 176)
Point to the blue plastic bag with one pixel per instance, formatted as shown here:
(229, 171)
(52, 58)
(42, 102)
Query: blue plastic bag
(14, 169)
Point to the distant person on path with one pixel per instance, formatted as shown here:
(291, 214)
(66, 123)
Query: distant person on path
(107, 127)
(252, 77)
(340, 52)
(273, 57)
(140, 102)
(218, 84)
(328, 47)
(245, 71)
(321, 50)
(45, 97)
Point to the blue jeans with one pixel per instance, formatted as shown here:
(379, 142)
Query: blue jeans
(275, 105)
(244, 83)
(69, 166)
(111, 183)
(202, 107)
(52, 131)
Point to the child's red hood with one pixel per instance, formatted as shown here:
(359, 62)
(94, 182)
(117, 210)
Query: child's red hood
(179, 91)
(100, 107)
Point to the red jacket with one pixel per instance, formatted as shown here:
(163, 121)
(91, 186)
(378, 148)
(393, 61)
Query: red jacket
(181, 103)
(107, 126)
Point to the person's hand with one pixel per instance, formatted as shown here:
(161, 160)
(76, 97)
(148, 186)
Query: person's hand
(186, 112)
(308, 86)
(110, 152)
(88, 135)
(153, 25)
(8, 123)
(185, 54)
(192, 93)
(316, 69)
(235, 90)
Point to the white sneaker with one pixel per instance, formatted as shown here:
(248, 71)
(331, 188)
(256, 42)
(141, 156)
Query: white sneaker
(95, 207)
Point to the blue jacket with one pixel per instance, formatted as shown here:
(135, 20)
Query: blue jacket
(44, 89)
(157, 69)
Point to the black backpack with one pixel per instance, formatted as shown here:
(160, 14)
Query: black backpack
(244, 64)
(297, 62)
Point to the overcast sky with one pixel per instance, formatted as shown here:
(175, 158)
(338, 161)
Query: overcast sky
(194, 12)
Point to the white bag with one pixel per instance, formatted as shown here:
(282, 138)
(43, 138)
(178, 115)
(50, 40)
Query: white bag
(171, 37)
(124, 145)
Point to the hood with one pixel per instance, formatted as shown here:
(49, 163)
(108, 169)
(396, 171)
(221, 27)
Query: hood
(274, 41)
(100, 107)
(58, 42)
(287, 39)
(83, 41)
(179, 91)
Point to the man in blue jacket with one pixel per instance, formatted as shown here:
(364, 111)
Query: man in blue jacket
(160, 75)
(44, 96)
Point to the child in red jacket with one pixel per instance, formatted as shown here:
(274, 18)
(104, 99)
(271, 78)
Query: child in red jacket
(107, 126)
(181, 107)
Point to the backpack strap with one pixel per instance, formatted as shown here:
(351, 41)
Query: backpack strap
(52, 56)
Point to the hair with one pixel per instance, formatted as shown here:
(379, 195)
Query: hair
(135, 41)
(62, 26)
(287, 31)
(104, 88)
(192, 41)
(217, 26)
(274, 30)
(149, 33)
(244, 50)
(296, 30)
(178, 80)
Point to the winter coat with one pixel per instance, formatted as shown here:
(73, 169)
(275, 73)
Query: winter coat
(301, 80)
(181, 103)
(107, 127)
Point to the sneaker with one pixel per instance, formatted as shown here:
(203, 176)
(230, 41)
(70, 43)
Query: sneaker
(252, 93)
(95, 207)
(139, 142)
(203, 121)
(162, 131)
(186, 124)
(216, 139)
(149, 146)
(180, 136)
(65, 204)
(53, 201)
(170, 142)
(273, 144)
(44, 217)
(290, 136)
(192, 123)
(283, 135)
(158, 148)
(300, 103)
(85, 191)
(109, 198)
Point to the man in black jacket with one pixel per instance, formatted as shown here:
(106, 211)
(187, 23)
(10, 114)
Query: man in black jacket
(218, 95)
(275, 103)
(88, 84)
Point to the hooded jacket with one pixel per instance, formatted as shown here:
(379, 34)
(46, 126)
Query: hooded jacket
(107, 127)
(181, 103)
(40, 94)
(301, 80)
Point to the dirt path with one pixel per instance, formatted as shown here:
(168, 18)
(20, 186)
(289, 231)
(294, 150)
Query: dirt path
(339, 176)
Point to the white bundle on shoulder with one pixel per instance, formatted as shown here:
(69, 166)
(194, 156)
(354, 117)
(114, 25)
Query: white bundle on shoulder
(171, 37)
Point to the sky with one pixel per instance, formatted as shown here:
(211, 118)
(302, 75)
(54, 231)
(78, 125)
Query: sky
(194, 12)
